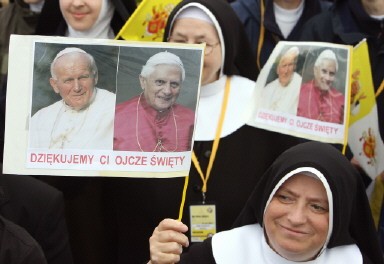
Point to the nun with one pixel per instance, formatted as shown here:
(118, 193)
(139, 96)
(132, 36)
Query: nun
(222, 173)
(309, 207)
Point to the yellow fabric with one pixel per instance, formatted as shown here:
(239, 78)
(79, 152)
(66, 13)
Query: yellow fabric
(148, 21)
(376, 200)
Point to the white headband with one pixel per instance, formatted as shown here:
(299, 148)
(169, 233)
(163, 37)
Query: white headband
(196, 13)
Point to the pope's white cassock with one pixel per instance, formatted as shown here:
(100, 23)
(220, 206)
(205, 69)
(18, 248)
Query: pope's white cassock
(57, 126)
(282, 98)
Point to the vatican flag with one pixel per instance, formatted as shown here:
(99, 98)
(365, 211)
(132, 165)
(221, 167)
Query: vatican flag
(364, 136)
(148, 21)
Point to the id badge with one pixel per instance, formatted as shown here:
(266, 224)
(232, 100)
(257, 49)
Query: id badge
(203, 221)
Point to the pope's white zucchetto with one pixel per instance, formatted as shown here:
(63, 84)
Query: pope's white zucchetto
(163, 57)
(68, 50)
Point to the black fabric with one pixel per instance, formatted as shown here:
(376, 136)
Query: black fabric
(52, 23)
(199, 254)
(138, 205)
(130, 208)
(3, 97)
(17, 246)
(352, 219)
(348, 23)
(86, 210)
(238, 53)
(249, 13)
(15, 18)
(39, 209)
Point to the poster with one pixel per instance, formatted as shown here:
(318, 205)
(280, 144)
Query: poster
(69, 101)
(303, 90)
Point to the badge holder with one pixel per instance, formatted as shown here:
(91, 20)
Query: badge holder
(203, 220)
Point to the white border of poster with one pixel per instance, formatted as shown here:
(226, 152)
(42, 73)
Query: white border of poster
(288, 122)
(27, 76)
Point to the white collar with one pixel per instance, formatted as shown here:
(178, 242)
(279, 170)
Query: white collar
(286, 19)
(213, 88)
(36, 7)
(210, 102)
(247, 244)
(377, 17)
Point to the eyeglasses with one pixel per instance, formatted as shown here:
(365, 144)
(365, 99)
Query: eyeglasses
(208, 47)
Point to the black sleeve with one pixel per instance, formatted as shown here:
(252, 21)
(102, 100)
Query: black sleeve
(39, 209)
(318, 28)
(200, 253)
(34, 256)
(53, 233)
(18, 246)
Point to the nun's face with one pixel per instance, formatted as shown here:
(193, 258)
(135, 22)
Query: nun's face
(195, 31)
(296, 220)
(81, 14)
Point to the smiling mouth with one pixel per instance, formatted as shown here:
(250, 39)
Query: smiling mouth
(294, 231)
(167, 99)
(78, 15)
(79, 95)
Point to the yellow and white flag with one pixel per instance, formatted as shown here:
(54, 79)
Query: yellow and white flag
(148, 21)
(364, 136)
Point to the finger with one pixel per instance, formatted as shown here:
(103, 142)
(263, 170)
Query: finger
(167, 248)
(162, 258)
(168, 236)
(172, 224)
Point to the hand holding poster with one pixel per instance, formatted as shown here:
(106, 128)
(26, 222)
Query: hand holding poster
(107, 108)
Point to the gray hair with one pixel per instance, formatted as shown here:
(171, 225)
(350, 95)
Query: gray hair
(292, 50)
(326, 55)
(164, 57)
(92, 63)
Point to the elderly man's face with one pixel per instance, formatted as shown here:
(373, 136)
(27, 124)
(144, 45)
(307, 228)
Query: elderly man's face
(81, 15)
(162, 87)
(285, 69)
(74, 80)
(325, 74)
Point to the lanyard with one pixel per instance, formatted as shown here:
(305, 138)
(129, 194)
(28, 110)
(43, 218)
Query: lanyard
(216, 141)
(380, 89)
(261, 34)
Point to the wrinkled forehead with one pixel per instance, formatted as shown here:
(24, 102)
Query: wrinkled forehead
(327, 63)
(165, 69)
